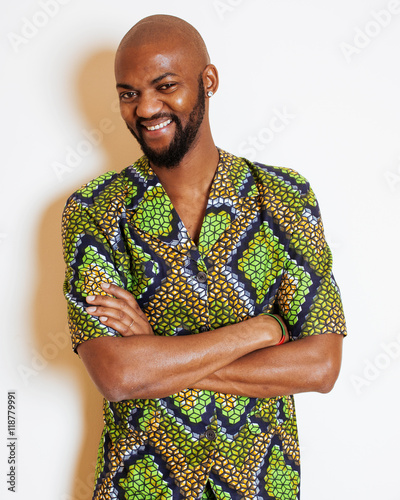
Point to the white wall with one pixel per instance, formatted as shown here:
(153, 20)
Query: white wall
(332, 68)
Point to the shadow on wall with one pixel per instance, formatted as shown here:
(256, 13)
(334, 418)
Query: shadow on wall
(105, 130)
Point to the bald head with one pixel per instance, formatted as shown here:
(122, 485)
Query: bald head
(160, 29)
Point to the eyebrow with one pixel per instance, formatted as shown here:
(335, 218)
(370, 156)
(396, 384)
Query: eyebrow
(126, 86)
(161, 77)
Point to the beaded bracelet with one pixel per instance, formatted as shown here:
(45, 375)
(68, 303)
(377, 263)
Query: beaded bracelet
(283, 328)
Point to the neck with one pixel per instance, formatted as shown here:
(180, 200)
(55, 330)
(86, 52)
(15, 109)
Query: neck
(194, 174)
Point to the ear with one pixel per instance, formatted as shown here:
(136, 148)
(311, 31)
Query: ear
(210, 78)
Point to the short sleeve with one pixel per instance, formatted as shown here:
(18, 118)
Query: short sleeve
(308, 297)
(90, 260)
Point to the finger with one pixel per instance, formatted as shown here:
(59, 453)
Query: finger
(123, 294)
(121, 315)
(134, 328)
(122, 328)
(122, 307)
(111, 302)
(117, 308)
(130, 307)
(126, 322)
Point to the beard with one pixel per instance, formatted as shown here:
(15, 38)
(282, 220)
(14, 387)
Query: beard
(183, 139)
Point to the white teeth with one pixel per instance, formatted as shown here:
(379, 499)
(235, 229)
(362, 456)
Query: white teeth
(161, 125)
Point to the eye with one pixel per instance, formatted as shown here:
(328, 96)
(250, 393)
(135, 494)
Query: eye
(127, 96)
(167, 87)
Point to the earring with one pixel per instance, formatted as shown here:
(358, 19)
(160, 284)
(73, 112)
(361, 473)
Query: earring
(210, 93)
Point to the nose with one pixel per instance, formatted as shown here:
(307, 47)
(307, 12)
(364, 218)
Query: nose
(148, 105)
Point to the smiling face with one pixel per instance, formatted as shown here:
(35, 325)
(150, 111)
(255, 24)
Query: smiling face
(163, 104)
(161, 86)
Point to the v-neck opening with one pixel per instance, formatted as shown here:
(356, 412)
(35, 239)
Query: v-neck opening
(194, 244)
(224, 205)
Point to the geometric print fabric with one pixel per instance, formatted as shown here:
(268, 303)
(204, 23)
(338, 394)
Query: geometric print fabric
(261, 249)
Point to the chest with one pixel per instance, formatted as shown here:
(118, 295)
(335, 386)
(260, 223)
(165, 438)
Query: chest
(191, 211)
(232, 273)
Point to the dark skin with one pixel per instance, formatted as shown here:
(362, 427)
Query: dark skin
(149, 83)
(155, 74)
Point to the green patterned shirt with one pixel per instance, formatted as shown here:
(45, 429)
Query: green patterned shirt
(261, 249)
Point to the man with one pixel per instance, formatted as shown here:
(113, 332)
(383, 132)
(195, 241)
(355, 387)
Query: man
(200, 293)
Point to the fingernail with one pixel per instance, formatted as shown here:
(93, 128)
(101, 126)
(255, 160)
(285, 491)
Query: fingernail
(91, 309)
(103, 318)
(105, 285)
(90, 298)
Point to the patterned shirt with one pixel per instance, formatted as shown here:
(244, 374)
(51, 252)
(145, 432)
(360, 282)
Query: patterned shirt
(261, 249)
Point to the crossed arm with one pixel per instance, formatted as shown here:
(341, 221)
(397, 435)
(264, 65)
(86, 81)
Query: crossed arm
(240, 359)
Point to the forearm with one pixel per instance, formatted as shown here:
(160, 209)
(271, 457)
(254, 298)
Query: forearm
(309, 364)
(149, 366)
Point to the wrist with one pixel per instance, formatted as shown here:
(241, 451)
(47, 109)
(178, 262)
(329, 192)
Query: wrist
(282, 330)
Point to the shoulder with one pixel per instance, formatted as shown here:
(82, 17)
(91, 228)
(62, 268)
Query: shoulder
(282, 189)
(94, 192)
(98, 205)
(241, 171)
(278, 178)
(110, 189)
(113, 189)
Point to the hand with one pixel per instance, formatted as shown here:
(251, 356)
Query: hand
(121, 311)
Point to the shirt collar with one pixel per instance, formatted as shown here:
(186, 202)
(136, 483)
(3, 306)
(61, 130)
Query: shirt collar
(233, 189)
(232, 177)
